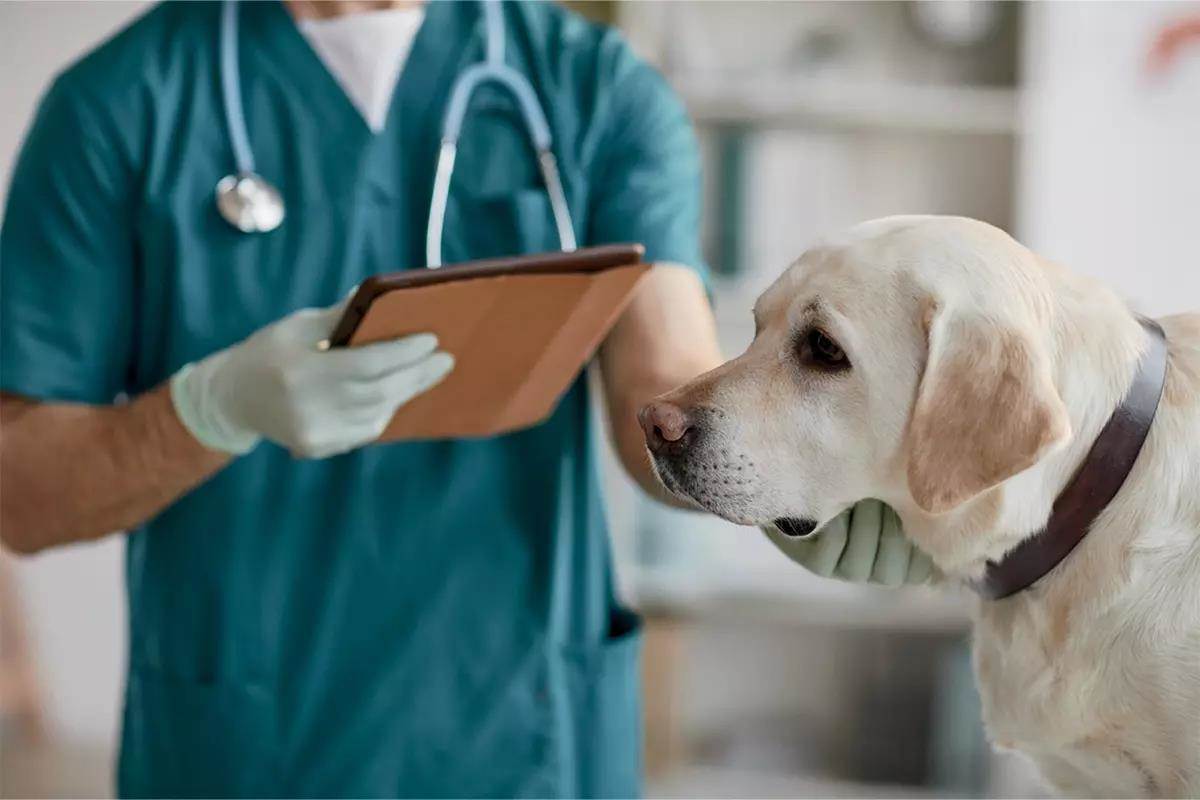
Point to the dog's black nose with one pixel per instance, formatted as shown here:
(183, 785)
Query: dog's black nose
(669, 429)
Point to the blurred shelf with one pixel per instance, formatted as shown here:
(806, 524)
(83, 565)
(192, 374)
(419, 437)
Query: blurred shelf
(793, 597)
(783, 102)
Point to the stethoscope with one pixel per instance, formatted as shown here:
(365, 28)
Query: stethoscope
(249, 202)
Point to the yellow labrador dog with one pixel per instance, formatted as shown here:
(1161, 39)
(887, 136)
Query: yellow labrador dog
(938, 365)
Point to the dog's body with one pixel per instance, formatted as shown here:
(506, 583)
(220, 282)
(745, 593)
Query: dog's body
(936, 364)
(1095, 672)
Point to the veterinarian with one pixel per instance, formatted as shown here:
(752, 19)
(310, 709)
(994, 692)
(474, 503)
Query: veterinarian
(307, 616)
(430, 618)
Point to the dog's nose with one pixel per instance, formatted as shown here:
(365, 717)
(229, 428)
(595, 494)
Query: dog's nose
(668, 427)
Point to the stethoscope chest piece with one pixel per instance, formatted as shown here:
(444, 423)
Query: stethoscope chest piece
(249, 203)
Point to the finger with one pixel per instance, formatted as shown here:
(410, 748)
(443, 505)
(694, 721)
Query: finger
(314, 324)
(367, 432)
(324, 447)
(370, 362)
(333, 448)
(344, 437)
(829, 546)
(318, 452)
(406, 384)
(895, 552)
(375, 414)
(862, 544)
(369, 399)
(920, 568)
(799, 550)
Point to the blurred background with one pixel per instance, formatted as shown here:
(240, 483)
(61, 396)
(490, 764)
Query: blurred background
(1072, 125)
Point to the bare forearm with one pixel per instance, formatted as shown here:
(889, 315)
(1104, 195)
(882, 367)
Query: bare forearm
(72, 472)
(630, 444)
(665, 338)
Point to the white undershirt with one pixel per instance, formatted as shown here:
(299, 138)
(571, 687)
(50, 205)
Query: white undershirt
(365, 52)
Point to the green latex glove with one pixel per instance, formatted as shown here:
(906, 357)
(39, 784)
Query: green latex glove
(280, 385)
(864, 544)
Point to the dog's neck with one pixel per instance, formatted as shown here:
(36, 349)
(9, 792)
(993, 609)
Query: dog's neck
(1096, 342)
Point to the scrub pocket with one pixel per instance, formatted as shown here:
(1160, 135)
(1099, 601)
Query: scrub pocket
(184, 738)
(606, 692)
(492, 226)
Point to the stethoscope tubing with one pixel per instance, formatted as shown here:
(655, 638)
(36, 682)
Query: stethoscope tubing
(491, 70)
(231, 89)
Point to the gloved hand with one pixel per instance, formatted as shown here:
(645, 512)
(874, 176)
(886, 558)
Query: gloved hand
(279, 385)
(864, 544)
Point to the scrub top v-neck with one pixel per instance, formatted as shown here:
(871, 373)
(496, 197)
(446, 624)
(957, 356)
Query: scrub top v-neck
(365, 52)
(414, 619)
(347, 164)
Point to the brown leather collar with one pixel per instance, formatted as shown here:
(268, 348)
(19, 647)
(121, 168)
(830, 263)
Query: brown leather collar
(1095, 484)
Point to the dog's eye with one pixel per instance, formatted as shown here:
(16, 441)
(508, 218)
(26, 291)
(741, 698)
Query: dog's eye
(821, 349)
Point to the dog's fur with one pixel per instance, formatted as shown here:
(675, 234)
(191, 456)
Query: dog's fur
(979, 376)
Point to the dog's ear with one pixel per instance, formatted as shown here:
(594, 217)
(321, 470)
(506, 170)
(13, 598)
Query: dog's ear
(986, 409)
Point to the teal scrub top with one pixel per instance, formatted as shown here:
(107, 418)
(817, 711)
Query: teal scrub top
(421, 619)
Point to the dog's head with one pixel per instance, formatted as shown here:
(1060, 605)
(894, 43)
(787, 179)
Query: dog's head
(904, 361)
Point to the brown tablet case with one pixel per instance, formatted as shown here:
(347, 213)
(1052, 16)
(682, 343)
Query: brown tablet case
(520, 330)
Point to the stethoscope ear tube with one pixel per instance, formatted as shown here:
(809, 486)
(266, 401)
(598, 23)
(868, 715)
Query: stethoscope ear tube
(251, 204)
(437, 204)
(231, 89)
(558, 200)
(536, 127)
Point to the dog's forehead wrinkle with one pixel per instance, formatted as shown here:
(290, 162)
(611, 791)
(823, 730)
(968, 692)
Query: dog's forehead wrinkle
(784, 288)
(970, 268)
(942, 249)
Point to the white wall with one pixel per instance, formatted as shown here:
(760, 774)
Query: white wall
(73, 596)
(1109, 175)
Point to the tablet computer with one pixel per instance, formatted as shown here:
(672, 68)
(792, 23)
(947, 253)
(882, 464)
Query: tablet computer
(521, 330)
